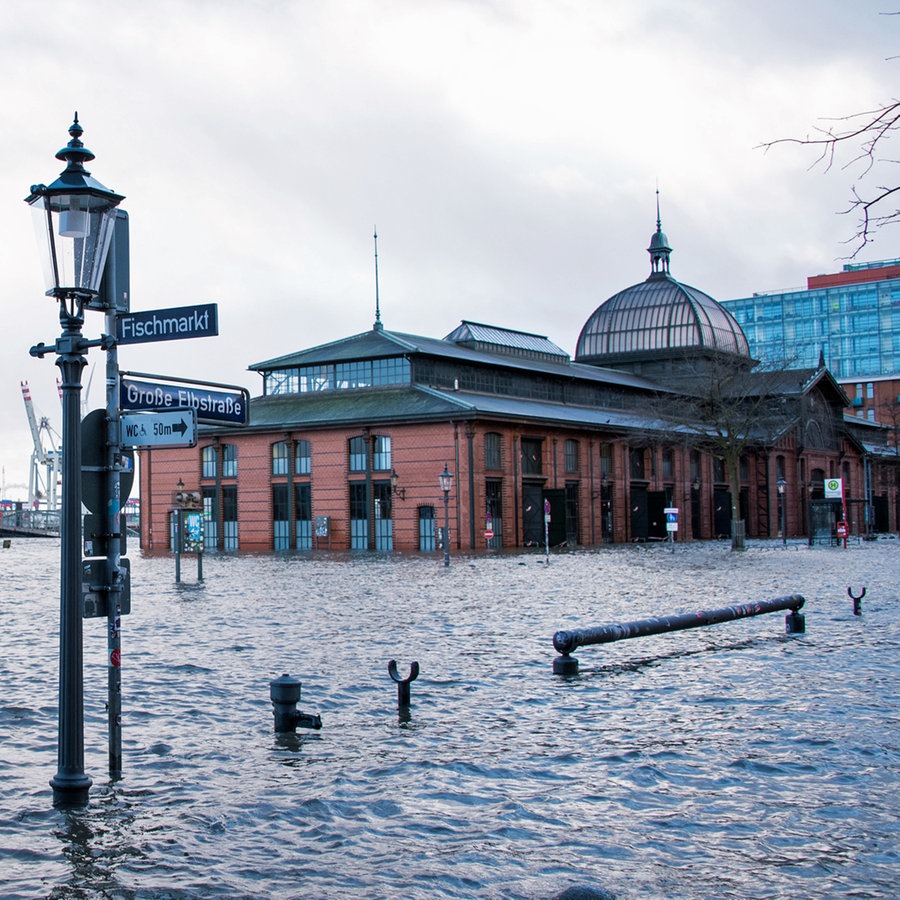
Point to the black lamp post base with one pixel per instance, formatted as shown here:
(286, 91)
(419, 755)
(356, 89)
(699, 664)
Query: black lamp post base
(70, 790)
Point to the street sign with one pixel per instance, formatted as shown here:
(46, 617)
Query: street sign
(671, 518)
(834, 488)
(212, 406)
(156, 429)
(173, 324)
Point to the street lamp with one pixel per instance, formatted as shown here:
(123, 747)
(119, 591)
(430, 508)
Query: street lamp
(74, 217)
(782, 484)
(446, 480)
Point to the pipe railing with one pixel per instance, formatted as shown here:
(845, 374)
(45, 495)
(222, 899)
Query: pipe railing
(567, 641)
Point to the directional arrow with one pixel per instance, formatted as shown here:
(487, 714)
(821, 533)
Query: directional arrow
(177, 428)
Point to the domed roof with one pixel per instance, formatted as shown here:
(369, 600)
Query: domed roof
(658, 318)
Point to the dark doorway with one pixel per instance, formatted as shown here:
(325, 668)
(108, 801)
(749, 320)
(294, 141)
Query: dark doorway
(640, 518)
(722, 514)
(532, 514)
(656, 515)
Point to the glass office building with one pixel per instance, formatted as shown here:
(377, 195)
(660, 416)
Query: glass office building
(852, 317)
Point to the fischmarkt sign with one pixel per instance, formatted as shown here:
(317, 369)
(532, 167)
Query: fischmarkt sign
(834, 488)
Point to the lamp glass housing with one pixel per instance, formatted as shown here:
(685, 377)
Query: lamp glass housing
(74, 229)
(446, 479)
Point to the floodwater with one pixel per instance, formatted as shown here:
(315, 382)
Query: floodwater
(724, 762)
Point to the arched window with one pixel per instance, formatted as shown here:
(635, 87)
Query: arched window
(280, 458)
(358, 455)
(229, 460)
(302, 458)
(381, 456)
(208, 462)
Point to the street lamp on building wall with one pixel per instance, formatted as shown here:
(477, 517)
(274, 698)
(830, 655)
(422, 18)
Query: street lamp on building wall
(782, 484)
(395, 481)
(74, 217)
(446, 480)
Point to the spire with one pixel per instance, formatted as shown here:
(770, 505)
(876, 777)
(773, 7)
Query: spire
(659, 248)
(377, 326)
(822, 363)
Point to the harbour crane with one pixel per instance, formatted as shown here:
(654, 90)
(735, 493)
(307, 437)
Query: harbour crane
(44, 474)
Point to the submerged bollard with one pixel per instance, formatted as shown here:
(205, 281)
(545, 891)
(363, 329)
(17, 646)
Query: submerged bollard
(285, 695)
(403, 683)
(857, 601)
(567, 641)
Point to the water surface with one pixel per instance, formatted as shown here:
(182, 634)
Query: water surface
(732, 762)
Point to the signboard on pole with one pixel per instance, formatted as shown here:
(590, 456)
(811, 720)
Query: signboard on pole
(212, 404)
(671, 518)
(834, 488)
(168, 324)
(156, 429)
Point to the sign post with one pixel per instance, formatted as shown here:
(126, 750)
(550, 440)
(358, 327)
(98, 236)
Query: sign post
(671, 524)
(547, 530)
(834, 490)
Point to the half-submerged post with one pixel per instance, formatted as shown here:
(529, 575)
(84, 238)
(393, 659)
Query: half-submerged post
(567, 641)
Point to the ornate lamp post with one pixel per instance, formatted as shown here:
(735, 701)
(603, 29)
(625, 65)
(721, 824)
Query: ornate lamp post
(74, 217)
(446, 480)
(782, 484)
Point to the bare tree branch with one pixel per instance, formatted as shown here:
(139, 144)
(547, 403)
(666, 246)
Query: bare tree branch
(868, 132)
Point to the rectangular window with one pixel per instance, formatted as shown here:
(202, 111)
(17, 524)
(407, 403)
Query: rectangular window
(303, 512)
(531, 456)
(492, 450)
(668, 463)
(606, 460)
(229, 518)
(636, 462)
(359, 516)
(870, 390)
(281, 525)
(571, 456)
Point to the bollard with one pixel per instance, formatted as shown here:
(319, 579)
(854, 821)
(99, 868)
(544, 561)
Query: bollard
(403, 683)
(566, 641)
(285, 695)
(857, 604)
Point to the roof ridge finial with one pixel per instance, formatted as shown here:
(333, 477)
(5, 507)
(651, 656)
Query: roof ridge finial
(659, 248)
(377, 326)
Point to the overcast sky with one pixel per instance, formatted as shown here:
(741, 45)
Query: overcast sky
(508, 152)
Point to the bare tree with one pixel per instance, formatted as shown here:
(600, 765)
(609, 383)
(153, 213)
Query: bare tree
(727, 409)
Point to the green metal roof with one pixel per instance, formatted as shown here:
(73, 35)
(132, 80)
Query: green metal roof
(377, 344)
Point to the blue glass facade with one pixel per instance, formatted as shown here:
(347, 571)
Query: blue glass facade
(856, 325)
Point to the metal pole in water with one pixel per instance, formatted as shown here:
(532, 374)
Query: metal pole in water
(567, 641)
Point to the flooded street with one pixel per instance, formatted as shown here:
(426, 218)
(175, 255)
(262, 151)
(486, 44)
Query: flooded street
(731, 762)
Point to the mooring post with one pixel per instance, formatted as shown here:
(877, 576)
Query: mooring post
(403, 683)
(857, 601)
(285, 695)
(567, 641)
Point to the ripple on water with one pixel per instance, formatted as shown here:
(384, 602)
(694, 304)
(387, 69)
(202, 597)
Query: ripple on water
(733, 764)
